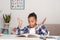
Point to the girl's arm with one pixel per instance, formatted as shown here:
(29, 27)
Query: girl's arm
(43, 21)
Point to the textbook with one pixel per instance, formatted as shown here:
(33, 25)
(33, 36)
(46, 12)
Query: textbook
(28, 35)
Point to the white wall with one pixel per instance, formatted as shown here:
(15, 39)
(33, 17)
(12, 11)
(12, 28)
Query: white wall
(43, 8)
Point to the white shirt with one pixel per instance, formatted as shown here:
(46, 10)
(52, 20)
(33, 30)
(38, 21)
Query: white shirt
(32, 31)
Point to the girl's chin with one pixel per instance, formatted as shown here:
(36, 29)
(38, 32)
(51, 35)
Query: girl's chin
(31, 26)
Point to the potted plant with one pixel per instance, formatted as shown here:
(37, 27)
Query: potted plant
(7, 18)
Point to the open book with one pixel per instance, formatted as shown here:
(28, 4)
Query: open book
(28, 36)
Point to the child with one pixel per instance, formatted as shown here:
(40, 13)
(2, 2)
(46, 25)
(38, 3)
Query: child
(33, 27)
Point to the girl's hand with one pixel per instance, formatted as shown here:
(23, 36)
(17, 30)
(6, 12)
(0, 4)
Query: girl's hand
(43, 21)
(19, 21)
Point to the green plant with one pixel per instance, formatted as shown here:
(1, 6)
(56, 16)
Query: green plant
(6, 18)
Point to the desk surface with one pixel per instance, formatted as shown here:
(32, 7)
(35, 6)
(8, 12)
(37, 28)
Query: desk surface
(14, 37)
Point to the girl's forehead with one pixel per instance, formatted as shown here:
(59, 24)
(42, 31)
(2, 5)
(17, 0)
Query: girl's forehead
(31, 18)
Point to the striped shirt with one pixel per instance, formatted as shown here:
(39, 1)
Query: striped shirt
(39, 29)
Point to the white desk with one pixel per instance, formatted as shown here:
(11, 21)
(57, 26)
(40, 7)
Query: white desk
(14, 37)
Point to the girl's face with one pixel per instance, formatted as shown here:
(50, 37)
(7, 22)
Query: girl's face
(32, 21)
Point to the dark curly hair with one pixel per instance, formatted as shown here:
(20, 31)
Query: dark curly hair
(32, 15)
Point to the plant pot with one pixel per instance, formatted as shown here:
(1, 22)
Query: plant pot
(6, 25)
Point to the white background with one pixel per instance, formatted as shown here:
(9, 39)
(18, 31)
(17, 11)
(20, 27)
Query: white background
(43, 8)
